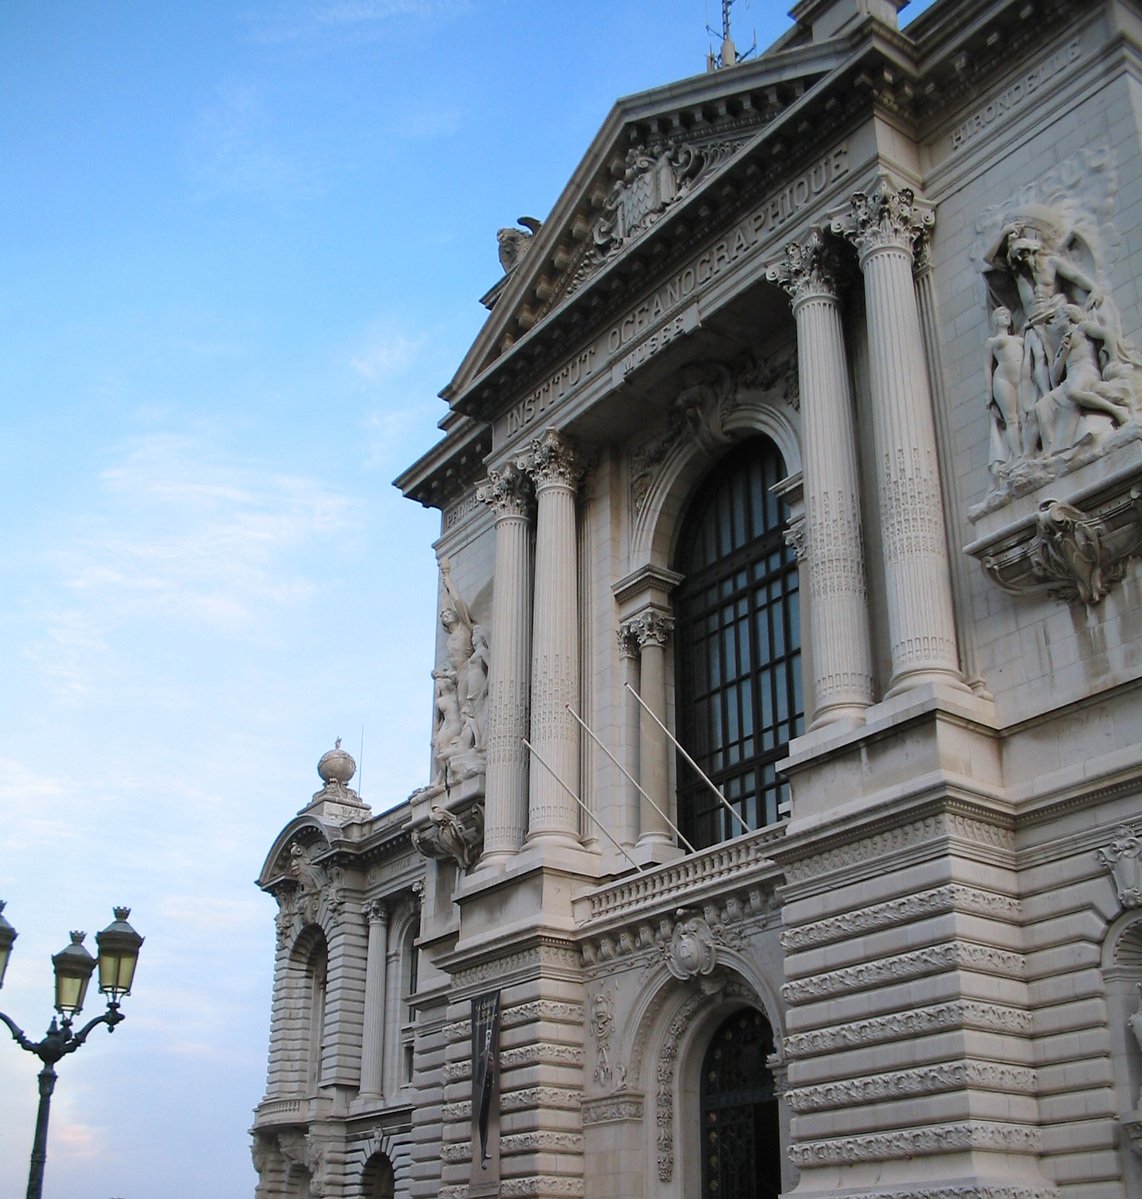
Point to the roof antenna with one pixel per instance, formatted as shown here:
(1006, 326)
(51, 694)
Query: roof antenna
(729, 55)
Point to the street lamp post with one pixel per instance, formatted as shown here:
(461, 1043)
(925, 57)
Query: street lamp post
(118, 947)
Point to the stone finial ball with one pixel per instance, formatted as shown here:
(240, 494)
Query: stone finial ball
(336, 766)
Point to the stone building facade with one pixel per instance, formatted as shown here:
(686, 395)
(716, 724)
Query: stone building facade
(783, 827)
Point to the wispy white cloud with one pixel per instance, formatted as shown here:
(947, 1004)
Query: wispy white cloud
(179, 537)
(233, 147)
(386, 351)
(363, 20)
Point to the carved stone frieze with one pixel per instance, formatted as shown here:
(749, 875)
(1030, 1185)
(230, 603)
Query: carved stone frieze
(687, 942)
(536, 1185)
(952, 897)
(905, 1025)
(898, 838)
(924, 1080)
(613, 1110)
(983, 1190)
(547, 955)
(1123, 859)
(913, 1142)
(565, 1098)
(962, 955)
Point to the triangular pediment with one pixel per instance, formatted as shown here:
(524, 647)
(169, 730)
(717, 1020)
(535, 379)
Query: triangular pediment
(654, 152)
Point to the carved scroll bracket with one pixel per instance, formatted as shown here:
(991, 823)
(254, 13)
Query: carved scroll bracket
(1074, 549)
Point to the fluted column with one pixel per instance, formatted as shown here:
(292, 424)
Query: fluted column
(628, 655)
(508, 493)
(652, 629)
(885, 225)
(556, 469)
(376, 983)
(834, 554)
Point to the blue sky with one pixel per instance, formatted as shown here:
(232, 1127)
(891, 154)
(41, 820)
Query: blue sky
(243, 248)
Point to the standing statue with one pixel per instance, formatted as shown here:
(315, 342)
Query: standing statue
(1004, 373)
(460, 692)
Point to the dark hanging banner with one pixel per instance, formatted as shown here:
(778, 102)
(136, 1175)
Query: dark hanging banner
(485, 1091)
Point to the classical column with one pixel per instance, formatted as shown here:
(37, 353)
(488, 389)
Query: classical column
(838, 598)
(508, 493)
(373, 1030)
(556, 469)
(885, 225)
(653, 628)
(628, 655)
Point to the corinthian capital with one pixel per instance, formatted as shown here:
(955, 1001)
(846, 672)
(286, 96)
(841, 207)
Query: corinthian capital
(552, 459)
(886, 217)
(809, 268)
(650, 627)
(507, 492)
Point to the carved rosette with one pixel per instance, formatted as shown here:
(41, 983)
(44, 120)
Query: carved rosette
(886, 218)
(508, 492)
(1122, 859)
(809, 269)
(552, 461)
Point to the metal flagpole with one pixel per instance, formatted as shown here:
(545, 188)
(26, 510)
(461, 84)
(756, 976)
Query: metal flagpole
(701, 773)
(626, 774)
(602, 827)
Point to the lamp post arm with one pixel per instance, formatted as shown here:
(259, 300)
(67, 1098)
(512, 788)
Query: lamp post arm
(18, 1034)
(110, 1017)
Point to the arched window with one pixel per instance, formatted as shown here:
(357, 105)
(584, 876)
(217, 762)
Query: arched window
(738, 646)
(741, 1148)
(316, 969)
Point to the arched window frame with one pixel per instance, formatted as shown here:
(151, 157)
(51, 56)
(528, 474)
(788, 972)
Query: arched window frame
(740, 609)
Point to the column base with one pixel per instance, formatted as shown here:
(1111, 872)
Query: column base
(937, 677)
(652, 849)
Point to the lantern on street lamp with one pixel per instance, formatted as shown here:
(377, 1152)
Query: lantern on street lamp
(73, 965)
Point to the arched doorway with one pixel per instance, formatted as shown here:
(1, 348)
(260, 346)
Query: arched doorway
(378, 1181)
(741, 1145)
